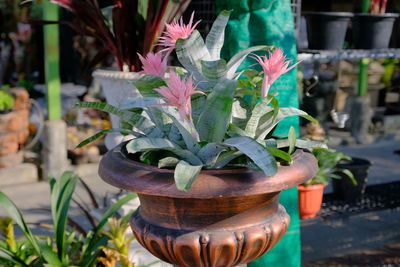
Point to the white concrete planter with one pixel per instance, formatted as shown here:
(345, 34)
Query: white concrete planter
(117, 87)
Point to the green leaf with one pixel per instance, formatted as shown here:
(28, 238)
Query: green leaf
(255, 151)
(292, 140)
(167, 162)
(145, 144)
(283, 113)
(209, 153)
(215, 38)
(190, 52)
(50, 256)
(214, 119)
(234, 131)
(61, 194)
(302, 143)
(139, 102)
(147, 83)
(279, 153)
(103, 132)
(213, 70)
(185, 174)
(350, 175)
(237, 59)
(226, 157)
(11, 257)
(240, 113)
(17, 217)
(259, 110)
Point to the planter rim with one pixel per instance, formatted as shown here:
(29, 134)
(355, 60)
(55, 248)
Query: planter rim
(328, 14)
(356, 162)
(116, 169)
(311, 187)
(386, 15)
(115, 74)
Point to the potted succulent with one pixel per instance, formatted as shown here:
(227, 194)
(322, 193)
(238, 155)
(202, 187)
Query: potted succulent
(327, 30)
(125, 29)
(373, 30)
(203, 161)
(14, 125)
(311, 192)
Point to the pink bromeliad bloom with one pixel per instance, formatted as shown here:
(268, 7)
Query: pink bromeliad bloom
(273, 67)
(154, 64)
(178, 94)
(176, 30)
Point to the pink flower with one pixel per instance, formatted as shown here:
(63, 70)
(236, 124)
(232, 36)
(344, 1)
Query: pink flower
(273, 67)
(176, 30)
(154, 64)
(178, 94)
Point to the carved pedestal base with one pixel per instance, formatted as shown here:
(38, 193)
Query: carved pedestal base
(211, 247)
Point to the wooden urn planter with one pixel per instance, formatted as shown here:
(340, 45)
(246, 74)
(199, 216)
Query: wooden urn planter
(228, 217)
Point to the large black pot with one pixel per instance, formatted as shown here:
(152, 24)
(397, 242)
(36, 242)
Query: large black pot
(373, 31)
(326, 30)
(344, 188)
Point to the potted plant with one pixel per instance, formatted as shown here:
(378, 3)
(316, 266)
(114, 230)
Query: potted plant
(327, 30)
(14, 125)
(203, 161)
(311, 192)
(345, 189)
(373, 30)
(125, 29)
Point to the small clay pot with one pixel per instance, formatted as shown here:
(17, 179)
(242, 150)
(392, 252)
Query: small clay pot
(310, 200)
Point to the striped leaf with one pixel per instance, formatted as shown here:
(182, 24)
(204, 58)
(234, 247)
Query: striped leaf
(209, 153)
(185, 174)
(215, 38)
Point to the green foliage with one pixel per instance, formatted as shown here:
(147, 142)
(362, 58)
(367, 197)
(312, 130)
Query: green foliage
(224, 129)
(6, 100)
(70, 245)
(327, 166)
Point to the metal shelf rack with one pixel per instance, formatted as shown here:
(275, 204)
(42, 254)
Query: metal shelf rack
(347, 54)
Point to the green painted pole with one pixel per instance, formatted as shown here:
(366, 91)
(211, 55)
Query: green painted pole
(363, 66)
(52, 61)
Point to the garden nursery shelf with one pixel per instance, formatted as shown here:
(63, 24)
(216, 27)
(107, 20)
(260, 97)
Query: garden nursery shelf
(348, 54)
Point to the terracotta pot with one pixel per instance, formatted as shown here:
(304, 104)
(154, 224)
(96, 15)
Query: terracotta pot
(310, 200)
(229, 217)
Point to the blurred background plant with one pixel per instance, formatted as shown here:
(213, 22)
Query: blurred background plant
(71, 243)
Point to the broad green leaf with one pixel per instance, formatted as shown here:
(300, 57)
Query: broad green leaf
(255, 151)
(186, 128)
(145, 144)
(209, 153)
(167, 162)
(214, 119)
(198, 103)
(226, 157)
(279, 153)
(61, 194)
(350, 175)
(302, 143)
(234, 131)
(215, 38)
(147, 83)
(292, 140)
(14, 213)
(240, 113)
(50, 256)
(281, 114)
(92, 251)
(259, 110)
(190, 52)
(237, 59)
(213, 70)
(103, 132)
(11, 257)
(185, 174)
(139, 102)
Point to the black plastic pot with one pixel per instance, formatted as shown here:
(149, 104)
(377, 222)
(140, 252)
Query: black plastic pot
(326, 30)
(344, 188)
(373, 31)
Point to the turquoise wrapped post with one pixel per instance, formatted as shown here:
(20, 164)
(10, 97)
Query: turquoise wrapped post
(270, 22)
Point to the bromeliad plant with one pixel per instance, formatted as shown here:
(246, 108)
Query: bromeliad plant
(206, 115)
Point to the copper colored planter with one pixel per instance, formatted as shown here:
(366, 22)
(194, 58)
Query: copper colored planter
(310, 200)
(229, 217)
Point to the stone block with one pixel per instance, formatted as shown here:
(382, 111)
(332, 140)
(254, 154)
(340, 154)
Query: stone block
(21, 99)
(8, 143)
(10, 160)
(18, 174)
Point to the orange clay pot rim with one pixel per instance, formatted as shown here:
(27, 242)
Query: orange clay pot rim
(311, 187)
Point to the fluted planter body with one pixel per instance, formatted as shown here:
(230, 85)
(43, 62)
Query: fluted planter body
(229, 217)
(117, 87)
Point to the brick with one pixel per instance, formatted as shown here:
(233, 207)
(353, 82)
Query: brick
(14, 121)
(21, 98)
(8, 144)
